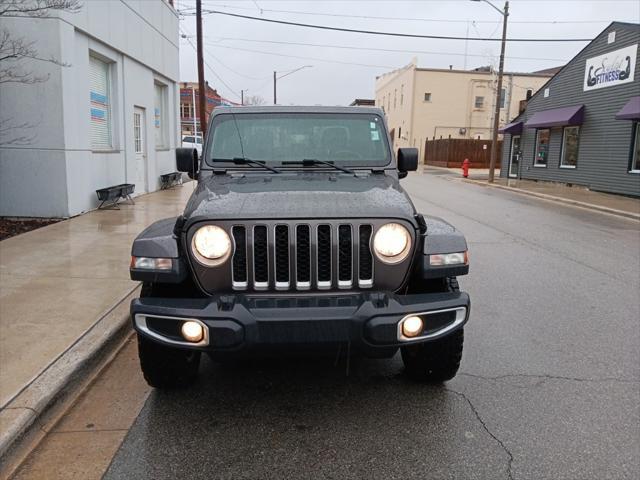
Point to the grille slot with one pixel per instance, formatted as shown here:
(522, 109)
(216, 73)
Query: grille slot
(281, 246)
(345, 257)
(302, 256)
(323, 257)
(239, 273)
(365, 259)
(260, 257)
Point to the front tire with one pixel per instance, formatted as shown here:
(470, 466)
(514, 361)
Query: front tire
(165, 367)
(437, 360)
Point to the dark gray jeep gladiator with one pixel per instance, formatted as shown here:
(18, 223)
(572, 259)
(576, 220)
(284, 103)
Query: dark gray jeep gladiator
(298, 239)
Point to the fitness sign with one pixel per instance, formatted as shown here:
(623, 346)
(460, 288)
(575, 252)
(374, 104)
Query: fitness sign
(613, 68)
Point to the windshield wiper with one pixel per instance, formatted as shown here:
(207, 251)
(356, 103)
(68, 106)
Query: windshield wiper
(312, 161)
(248, 161)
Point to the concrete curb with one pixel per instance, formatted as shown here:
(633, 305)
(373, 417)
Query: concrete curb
(566, 201)
(28, 410)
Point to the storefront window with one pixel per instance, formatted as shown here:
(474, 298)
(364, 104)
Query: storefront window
(635, 159)
(542, 148)
(570, 139)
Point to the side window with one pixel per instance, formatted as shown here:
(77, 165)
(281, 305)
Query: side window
(427, 97)
(479, 102)
(100, 104)
(570, 140)
(635, 154)
(503, 97)
(542, 148)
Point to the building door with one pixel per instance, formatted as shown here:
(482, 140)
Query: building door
(140, 150)
(514, 162)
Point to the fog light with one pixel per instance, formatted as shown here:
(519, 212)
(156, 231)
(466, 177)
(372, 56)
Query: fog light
(412, 326)
(192, 331)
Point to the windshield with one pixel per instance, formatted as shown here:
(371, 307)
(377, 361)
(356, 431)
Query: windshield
(274, 138)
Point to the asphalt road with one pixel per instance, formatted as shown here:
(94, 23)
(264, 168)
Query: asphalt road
(549, 386)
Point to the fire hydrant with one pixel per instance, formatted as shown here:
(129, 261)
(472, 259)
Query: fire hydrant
(465, 167)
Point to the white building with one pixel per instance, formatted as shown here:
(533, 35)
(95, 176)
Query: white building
(107, 116)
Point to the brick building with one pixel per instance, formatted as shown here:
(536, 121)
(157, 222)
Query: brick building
(190, 93)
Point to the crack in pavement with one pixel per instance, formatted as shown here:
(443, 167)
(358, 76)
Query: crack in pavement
(544, 377)
(486, 429)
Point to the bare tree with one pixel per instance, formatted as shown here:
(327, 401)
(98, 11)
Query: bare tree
(254, 100)
(15, 51)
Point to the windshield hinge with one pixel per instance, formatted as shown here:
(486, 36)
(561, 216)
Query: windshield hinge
(218, 171)
(377, 172)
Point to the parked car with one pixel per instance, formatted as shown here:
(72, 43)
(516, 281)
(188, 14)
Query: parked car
(299, 238)
(191, 141)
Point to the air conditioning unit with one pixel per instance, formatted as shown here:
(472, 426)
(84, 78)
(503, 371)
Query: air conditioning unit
(462, 131)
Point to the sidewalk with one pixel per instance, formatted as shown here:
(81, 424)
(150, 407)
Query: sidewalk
(577, 196)
(558, 192)
(474, 173)
(59, 281)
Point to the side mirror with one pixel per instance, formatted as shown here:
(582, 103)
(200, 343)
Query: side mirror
(407, 161)
(187, 161)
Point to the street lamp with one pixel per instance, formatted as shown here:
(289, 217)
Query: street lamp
(275, 78)
(496, 115)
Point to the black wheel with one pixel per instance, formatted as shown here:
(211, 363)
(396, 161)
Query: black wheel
(167, 367)
(437, 360)
(162, 366)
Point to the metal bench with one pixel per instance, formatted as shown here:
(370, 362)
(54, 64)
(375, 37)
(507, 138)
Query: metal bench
(110, 196)
(169, 180)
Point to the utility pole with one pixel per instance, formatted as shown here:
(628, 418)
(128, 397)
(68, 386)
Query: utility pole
(275, 79)
(193, 113)
(201, 84)
(241, 97)
(496, 118)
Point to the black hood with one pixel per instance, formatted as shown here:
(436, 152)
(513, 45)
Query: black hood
(299, 195)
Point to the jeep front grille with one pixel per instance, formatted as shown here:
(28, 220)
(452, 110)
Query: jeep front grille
(319, 256)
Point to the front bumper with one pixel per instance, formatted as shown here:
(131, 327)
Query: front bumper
(368, 322)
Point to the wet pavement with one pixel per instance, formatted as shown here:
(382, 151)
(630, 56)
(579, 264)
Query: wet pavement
(549, 386)
(59, 280)
(573, 193)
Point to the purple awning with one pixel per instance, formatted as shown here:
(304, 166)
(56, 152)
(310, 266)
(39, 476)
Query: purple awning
(557, 117)
(513, 128)
(631, 111)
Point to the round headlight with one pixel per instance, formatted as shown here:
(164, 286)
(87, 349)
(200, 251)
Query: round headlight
(392, 243)
(211, 245)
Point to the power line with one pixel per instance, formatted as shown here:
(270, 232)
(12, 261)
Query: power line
(411, 19)
(211, 69)
(231, 69)
(391, 34)
(388, 50)
(306, 58)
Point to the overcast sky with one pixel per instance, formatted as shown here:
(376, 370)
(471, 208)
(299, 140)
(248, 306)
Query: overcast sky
(338, 75)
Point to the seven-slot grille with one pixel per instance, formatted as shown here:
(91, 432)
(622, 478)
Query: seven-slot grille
(302, 256)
